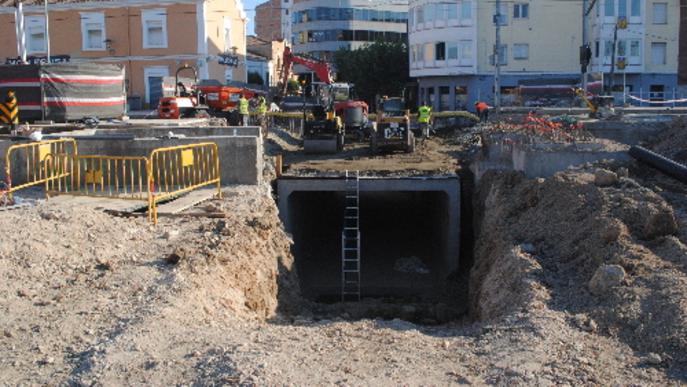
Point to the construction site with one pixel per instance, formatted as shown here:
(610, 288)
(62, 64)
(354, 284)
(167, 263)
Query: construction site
(528, 250)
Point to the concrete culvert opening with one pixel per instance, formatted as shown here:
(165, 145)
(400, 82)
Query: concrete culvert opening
(409, 238)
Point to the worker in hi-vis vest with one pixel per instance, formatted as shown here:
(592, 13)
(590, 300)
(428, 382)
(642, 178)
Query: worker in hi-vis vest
(262, 110)
(243, 109)
(9, 111)
(424, 116)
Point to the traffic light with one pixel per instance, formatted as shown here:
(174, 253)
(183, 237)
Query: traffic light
(585, 57)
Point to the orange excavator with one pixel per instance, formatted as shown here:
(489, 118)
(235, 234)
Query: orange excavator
(353, 113)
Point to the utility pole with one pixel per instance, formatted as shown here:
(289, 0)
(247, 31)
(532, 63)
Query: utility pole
(47, 29)
(585, 39)
(19, 23)
(497, 58)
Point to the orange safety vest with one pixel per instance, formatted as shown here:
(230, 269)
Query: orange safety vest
(482, 107)
(9, 111)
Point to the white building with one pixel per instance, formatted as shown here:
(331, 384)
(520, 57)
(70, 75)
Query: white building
(646, 49)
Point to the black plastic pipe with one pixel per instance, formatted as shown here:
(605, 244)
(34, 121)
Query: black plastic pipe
(662, 163)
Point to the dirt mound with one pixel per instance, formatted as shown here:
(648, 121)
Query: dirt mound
(672, 142)
(541, 242)
(77, 281)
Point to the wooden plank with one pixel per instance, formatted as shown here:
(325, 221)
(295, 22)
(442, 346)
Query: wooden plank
(187, 201)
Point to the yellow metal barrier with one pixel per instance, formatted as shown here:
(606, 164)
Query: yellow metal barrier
(37, 156)
(119, 177)
(180, 169)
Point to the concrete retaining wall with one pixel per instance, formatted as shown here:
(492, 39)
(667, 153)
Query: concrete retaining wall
(449, 186)
(241, 157)
(539, 160)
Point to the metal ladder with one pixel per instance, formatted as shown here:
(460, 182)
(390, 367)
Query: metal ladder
(350, 240)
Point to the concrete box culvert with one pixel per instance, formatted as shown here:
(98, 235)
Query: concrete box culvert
(410, 234)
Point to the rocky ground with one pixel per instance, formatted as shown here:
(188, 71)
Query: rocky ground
(578, 280)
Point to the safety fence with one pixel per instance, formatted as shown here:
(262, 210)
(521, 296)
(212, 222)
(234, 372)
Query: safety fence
(166, 174)
(180, 169)
(118, 177)
(27, 162)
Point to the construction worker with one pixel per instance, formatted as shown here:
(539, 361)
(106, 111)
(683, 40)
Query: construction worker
(9, 111)
(482, 111)
(262, 110)
(424, 116)
(243, 110)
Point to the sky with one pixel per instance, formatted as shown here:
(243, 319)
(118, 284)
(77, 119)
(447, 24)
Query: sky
(249, 6)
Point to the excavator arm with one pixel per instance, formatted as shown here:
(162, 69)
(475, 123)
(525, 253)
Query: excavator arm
(321, 69)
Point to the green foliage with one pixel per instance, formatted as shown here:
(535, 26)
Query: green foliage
(378, 68)
(255, 78)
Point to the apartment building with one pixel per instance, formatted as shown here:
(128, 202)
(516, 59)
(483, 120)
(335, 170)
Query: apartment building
(272, 20)
(150, 38)
(646, 48)
(452, 44)
(320, 27)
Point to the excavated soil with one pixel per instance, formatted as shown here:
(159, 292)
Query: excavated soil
(90, 299)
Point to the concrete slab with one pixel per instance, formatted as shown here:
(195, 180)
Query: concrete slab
(187, 201)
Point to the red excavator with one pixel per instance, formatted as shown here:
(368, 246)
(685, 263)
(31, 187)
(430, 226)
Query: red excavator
(353, 113)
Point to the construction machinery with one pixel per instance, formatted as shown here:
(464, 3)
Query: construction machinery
(600, 106)
(392, 129)
(186, 102)
(333, 96)
(323, 132)
(202, 99)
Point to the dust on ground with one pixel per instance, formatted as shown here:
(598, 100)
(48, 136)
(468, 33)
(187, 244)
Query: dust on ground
(94, 299)
(438, 155)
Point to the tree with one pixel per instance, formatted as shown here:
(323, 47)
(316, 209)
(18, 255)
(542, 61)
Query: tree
(378, 68)
(255, 78)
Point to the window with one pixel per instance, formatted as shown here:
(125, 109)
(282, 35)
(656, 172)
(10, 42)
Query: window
(608, 48)
(35, 34)
(93, 31)
(660, 13)
(441, 12)
(452, 50)
(444, 98)
(636, 8)
(609, 8)
(428, 51)
(621, 48)
(521, 51)
(154, 23)
(521, 11)
(452, 11)
(466, 10)
(429, 12)
(635, 48)
(622, 8)
(658, 53)
(420, 15)
(440, 51)
(465, 48)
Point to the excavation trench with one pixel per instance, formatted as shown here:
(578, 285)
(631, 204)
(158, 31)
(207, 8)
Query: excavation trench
(409, 227)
